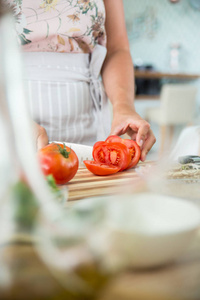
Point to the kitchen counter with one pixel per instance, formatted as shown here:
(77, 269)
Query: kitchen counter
(34, 280)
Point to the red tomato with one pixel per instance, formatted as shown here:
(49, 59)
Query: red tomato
(114, 139)
(60, 161)
(98, 153)
(99, 168)
(134, 150)
(133, 147)
(116, 154)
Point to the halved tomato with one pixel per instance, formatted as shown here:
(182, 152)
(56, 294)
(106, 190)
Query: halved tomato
(133, 147)
(99, 168)
(116, 154)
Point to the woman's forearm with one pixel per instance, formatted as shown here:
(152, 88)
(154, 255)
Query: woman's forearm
(118, 79)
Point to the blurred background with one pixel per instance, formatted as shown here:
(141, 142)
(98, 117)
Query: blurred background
(165, 41)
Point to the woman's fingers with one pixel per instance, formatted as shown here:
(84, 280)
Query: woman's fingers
(145, 139)
(41, 136)
(142, 132)
(120, 129)
(42, 141)
(147, 145)
(138, 130)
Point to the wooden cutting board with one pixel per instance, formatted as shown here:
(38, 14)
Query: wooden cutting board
(85, 184)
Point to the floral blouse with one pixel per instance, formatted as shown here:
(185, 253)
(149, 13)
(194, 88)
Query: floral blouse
(59, 25)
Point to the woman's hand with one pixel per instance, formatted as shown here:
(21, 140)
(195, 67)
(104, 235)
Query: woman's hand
(40, 136)
(129, 122)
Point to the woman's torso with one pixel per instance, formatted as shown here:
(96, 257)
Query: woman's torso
(60, 25)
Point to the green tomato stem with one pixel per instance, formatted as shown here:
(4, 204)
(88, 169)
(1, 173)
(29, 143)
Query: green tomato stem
(64, 151)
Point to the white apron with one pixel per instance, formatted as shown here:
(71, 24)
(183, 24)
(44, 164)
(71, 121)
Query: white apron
(66, 95)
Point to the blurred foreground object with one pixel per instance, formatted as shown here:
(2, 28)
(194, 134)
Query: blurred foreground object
(44, 252)
(18, 154)
(148, 229)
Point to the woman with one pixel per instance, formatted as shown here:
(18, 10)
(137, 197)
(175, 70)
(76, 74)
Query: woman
(67, 44)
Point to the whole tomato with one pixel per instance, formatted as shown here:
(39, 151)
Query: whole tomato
(60, 161)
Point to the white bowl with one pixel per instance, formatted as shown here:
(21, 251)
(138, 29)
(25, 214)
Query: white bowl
(146, 230)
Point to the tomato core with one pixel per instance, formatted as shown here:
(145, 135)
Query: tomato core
(114, 157)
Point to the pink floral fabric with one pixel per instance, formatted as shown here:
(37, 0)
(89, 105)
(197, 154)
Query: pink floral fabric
(59, 25)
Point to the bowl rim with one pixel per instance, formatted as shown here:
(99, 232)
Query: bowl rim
(194, 225)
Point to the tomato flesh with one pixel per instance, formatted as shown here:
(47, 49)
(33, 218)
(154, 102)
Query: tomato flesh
(133, 147)
(99, 168)
(98, 153)
(134, 150)
(113, 157)
(116, 154)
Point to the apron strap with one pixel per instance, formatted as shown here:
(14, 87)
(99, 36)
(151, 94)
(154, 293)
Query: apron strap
(100, 100)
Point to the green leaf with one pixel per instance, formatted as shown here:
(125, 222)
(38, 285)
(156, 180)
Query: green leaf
(27, 31)
(23, 39)
(25, 206)
(58, 193)
(96, 8)
(85, 11)
(51, 182)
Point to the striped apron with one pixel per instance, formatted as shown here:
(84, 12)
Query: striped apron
(66, 95)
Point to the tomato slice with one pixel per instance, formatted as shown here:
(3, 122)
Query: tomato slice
(98, 153)
(116, 154)
(114, 139)
(134, 150)
(99, 168)
(133, 147)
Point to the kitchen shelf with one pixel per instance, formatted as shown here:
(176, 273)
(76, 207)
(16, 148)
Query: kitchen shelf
(144, 74)
(147, 97)
(160, 75)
